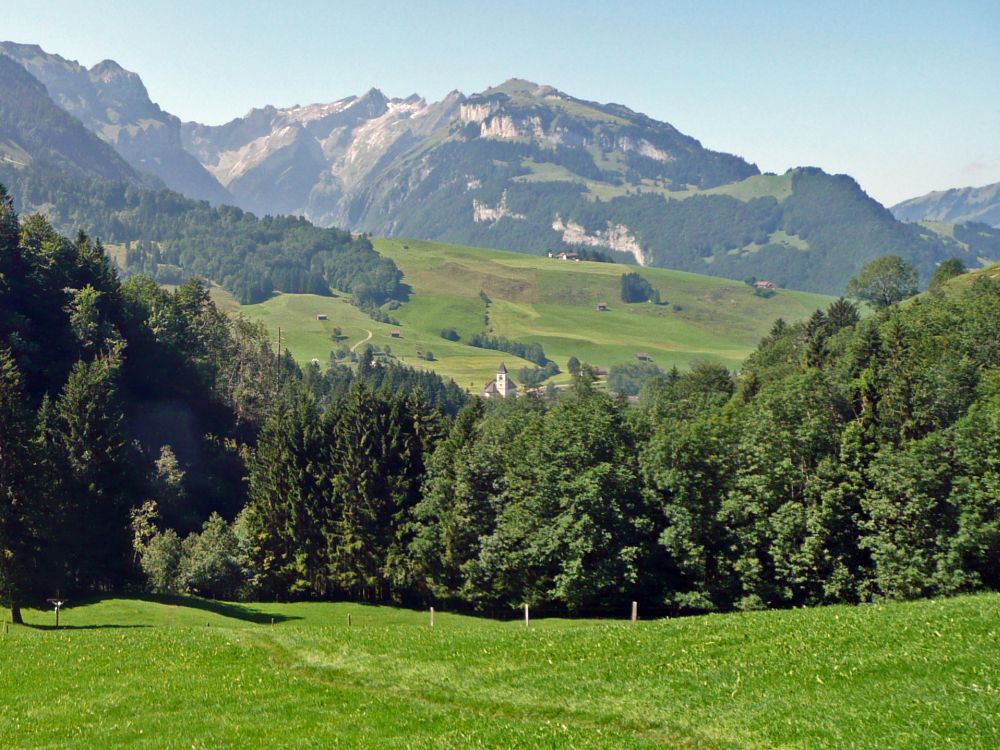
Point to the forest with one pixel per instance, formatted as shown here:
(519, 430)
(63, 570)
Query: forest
(152, 443)
(173, 238)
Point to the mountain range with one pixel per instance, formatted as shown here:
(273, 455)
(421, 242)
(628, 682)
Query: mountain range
(518, 166)
(955, 206)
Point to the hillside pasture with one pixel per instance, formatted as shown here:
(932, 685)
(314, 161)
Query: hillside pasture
(538, 300)
(186, 672)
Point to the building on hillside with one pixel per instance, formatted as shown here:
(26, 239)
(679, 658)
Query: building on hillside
(396, 333)
(765, 285)
(321, 316)
(563, 255)
(643, 357)
(501, 386)
(602, 307)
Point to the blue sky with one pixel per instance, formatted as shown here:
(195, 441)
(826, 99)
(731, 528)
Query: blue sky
(903, 96)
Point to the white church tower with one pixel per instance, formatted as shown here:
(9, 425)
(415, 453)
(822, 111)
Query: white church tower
(501, 386)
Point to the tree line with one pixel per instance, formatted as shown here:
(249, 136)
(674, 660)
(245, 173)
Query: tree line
(166, 233)
(850, 460)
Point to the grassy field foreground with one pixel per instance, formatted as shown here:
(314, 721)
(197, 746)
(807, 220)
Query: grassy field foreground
(189, 673)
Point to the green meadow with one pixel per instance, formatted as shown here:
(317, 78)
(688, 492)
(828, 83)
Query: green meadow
(193, 673)
(537, 299)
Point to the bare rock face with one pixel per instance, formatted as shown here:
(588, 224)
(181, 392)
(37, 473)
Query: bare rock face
(483, 213)
(617, 237)
(33, 128)
(340, 144)
(380, 155)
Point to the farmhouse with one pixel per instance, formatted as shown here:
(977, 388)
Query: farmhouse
(321, 316)
(765, 285)
(602, 306)
(643, 357)
(501, 386)
(396, 333)
(563, 255)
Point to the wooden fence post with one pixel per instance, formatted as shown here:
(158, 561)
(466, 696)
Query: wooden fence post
(348, 618)
(432, 617)
(525, 615)
(635, 612)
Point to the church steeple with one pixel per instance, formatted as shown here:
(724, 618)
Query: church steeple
(501, 385)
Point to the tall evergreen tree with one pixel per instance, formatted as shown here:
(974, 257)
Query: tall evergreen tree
(102, 485)
(19, 511)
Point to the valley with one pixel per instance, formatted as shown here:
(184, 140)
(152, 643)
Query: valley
(259, 454)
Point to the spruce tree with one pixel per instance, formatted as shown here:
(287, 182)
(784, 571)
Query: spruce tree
(18, 516)
(101, 484)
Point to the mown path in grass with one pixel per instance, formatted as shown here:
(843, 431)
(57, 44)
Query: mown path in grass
(366, 339)
(188, 673)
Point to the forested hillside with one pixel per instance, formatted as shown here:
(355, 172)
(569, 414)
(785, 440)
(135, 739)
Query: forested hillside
(112, 393)
(173, 238)
(851, 460)
(54, 165)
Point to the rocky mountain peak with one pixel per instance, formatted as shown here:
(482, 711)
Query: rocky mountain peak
(108, 69)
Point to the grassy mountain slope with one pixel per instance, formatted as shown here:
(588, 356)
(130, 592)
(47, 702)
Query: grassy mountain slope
(209, 674)
(971, 241)
(540, 300)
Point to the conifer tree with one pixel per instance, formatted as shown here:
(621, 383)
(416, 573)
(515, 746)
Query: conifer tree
(101, 484)
(18, 514)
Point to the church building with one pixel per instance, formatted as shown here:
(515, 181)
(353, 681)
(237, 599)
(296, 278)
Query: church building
(501, 386)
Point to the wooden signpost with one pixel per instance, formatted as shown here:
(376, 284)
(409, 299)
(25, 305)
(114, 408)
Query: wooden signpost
(57, 603)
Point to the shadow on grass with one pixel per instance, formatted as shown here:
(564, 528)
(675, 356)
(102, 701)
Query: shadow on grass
(35, 626)
(237, 611)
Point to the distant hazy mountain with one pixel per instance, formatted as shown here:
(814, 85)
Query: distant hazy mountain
(33, 129)
(342, 162)
(313, 160)
(954, 206)
(113, 103)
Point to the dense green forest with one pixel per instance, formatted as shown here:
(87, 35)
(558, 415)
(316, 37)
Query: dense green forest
(851, 460)
(173, 238)
(114, 393)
